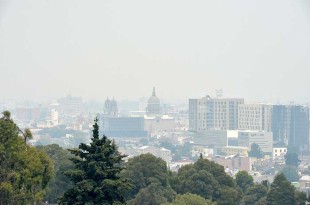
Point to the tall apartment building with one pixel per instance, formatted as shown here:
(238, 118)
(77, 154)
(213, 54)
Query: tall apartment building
(290, 125)
(255, 117)
(299, 127)
(213, 113)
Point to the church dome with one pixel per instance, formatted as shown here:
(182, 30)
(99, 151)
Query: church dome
(153, 100)
(153, 105)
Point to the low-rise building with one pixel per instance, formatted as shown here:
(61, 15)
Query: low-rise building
(235, 164)
(235, 150)
(202, 149)
(279, 152)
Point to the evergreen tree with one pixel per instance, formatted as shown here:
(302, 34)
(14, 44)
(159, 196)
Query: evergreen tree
(96, 175)
(281, 192)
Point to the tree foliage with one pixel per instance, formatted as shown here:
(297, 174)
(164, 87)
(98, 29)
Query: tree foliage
(281, 192)
(59, 183)
(190, 199)
(254, 194)
(244, 180)
(96, 176)
(149, 175)
(256, 151)
(206, 179)
(24, 171)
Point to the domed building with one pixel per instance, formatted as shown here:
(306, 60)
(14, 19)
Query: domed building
(153, 105)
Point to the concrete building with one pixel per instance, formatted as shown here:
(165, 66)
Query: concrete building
(160, 152)
(122, 127)
(290, 125)
(213, 138)
(234, 164)
(254, 117)
(159, 123)
(202, 149)
(299, 127)
(213, 113)
(235, 150)
(264, 139)
(279, 152)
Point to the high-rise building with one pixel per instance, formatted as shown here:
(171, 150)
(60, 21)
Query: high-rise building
(290, 125)
(213, 113)
(280, 125)
(255, 117)
(299, 127)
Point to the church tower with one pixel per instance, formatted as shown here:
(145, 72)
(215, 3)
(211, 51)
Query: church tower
(110, 108)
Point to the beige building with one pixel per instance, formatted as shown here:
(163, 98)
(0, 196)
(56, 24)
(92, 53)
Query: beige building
(235, 150)
(159, 123)
(235, 163)
(255, 117)
(213, 113)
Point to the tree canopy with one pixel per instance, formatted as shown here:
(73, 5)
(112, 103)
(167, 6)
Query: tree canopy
(281, 192)
(190, 199)
(149, 175)
(244, 180)
(95, 176)
(24, 171)
(206, 179)
(59, 183)
(256, 151)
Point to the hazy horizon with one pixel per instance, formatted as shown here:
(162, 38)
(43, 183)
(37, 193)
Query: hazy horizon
(257, 50)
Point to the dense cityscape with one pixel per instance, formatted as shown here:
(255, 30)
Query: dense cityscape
(154, 102)
(256, 138)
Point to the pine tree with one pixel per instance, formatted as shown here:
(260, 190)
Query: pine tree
(96, 175)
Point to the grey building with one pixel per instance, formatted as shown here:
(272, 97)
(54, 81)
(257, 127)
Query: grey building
(290, 125)
(213, 113)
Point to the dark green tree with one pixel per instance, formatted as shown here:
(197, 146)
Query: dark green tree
(256, 151)
(281, 192)
(254, 194)
(96, 178)
(146, 172)
(300, 197)
(153, 194)
(244, 180)
(143, 170)
(207, 179)
(190, 199)
(59, 183)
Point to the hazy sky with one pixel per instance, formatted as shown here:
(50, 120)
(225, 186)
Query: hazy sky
(259, 50)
